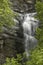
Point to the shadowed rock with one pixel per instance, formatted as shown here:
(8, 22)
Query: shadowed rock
(22, 6)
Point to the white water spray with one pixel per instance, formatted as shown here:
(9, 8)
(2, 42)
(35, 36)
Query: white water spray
(29, 25)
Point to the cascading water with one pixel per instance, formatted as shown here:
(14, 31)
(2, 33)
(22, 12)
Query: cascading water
(29, 26)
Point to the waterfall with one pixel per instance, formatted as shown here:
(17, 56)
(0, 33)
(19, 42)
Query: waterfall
(29, 26)
(26, 27)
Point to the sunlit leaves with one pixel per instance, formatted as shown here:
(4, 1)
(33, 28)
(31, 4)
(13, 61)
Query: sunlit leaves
(39, 9)
(36, 57)
(11, 61)
(6, 14)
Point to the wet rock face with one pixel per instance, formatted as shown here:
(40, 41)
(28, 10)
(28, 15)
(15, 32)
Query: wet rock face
(23, 5)
(19, 40)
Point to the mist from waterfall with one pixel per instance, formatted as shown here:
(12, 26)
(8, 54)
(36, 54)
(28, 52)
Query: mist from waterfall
(29, 26)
